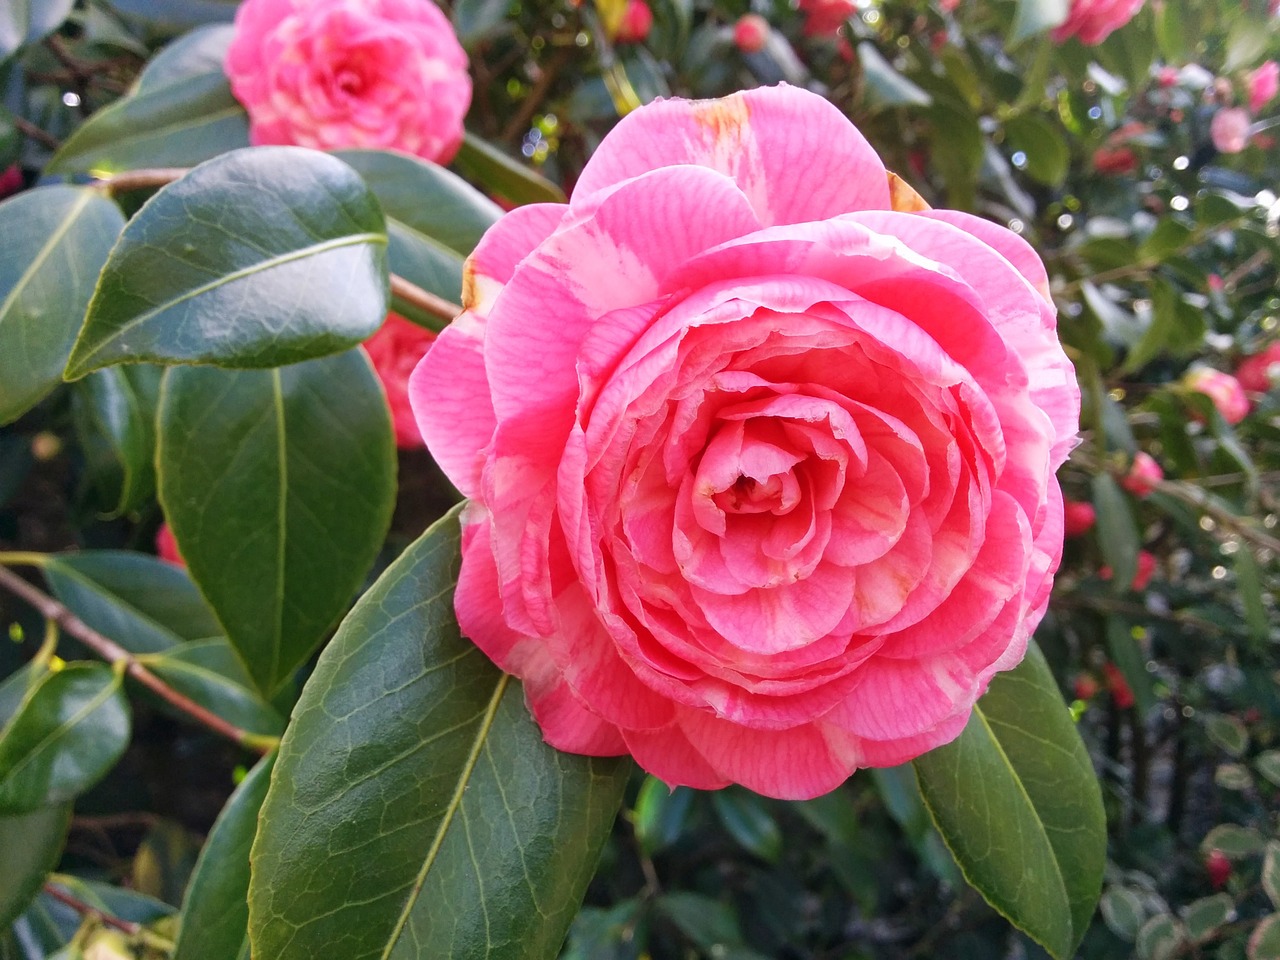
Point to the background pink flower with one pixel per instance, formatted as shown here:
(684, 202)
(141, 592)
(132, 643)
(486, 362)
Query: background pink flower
(1092, 21)
(824, 17)
(773, 498)
(1261, 370)
(395, 350)
(1222, 388)
(1078, 517)
(1144, 473)
(751, 32)
(1264, 84)
(637, 21)
(350, 73)
(1229, 129)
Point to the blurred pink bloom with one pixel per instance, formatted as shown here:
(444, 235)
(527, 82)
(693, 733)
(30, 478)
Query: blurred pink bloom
(1115, 161)
(326, 74)
(1229, 129)
(637, 21)
(167, 546)
(1167, 76)
(1261, 371)
(395, 350)
(1214, 282)
(751, 32)
(775, 497)
(1144, 473)
(1078, 517)
(10, 181)
(1222, 388)
(948, 6)
(1264, 84)
(825, 17)
(1121, 692)
(1092, 21)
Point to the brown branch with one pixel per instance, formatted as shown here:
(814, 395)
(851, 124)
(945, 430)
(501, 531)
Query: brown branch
(423, 299)
(88, 910)
(113, 653)
(31, 131)
(145, 179)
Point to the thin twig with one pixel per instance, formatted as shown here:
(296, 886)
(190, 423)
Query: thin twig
(146, 179)
(88, 910)
(423, 299)
(113, 653)
(30, 130)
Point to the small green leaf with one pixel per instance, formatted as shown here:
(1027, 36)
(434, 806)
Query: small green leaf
(1131, 661)
(278, 486)
(885, 86)
(745, 817)
(1017, 802)
(1122, 912)
(1227, 732)
(474, 20)
(210, 673)
(140, 602)
(709, 923)
(503, 176)
(176, 124)
(26, 21)
(660, 814)
(115, 414)
(1249, 583)
(1160, 938)
(32, 843)
(67, 734)
(415, 809)
(1169, 236)
(1117, 531)
(1233, 841)
(1042, 143)
(215, 910)
(1204, 917)
(1264, 942)
(55, 241)
(1036, 16)
(202, 52)
(1267, 763)
(259, 258)
(1271, 873)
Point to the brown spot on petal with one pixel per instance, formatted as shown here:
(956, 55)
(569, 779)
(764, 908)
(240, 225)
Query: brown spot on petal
(903, 197)
(470, 289)
(723, 120)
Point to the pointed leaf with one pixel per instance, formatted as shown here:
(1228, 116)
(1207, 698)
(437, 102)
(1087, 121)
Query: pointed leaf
(32, 843)
(176, 124)
(1132, 663)
(115, 413)
(278, 485)
(1017, 802)
(748, 821)
(1036, 16)
(55, 241)
(140, 602)
(262, 257)
(502, 175)
(67, 734)
(26, 21)
(210, 673)
(215, 910)
(199, 53)
(1117, 531)
(415, 811)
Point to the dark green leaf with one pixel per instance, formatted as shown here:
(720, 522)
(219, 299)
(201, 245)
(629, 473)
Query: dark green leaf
(1017, 802)
(1117, 531)
(115, 412)
(1205, 916)
(176, 124)
(885, 86)
(660, 814)
(26, 21)
(476, 19)
(708, 923)
(1267, 763)
(1123, 913)
(1233, 841)
(55, 241)
(1228, 732)
(278, 485)
(1271, 873)
(415, 810)
(1264, 942)
(32, 843)
(1043, 145)
(900, 794)
(434, 218)
(1036, 16)
(1132, 662)
(198, 53)
(745, 817)
(1160, 938)
(210, 673)
(140, 602)
(259, 258)
(1169, 236)
(67, 734)
(1249, 582)
(215, 910)
(503, 176)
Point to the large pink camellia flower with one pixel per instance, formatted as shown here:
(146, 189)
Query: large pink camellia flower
(1092, 21)
(760, 452)
(350, 73)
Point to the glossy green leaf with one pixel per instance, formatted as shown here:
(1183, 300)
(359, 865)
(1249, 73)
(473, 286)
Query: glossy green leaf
(1117, 531)
(900, 793)
(259, 258)
(434, 219)
(885, 86)
(476, 19)
(1233, 841)
(1204, 917)
(709, 923)
(142, 603)
(1123, 913)
(199, 53)
(1036, 16)
(1249, 584)
(1264, 942)
(415, 811)
(502, 175)
(115, 414)
(748, 821)
(279, 486)
(67, 734)
(1017, 802)
(215, 910)
(660, 814)
(55, 241)
(1132, 663)
(26, 21)
(210, 673)
(32, 843)
(1041, 141)
(176, 124)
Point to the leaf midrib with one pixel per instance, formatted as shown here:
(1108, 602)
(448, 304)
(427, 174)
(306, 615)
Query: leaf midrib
(45, 252)
(455, 803)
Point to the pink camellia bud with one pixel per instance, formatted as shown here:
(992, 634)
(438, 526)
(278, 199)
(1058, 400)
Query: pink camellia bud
(1214, 283)
(1078, 517)
(1167, 77)
(1115, 161)
(637, 20)
(1264, 84)
(1218, 867)
(167, 546)
(1144, 473)
(1092, 21)
(1229, 129)
(1085, 686)
(1261, 371)
(750, 33)
(1222, 388)
(10, 181)
(1121, 692)
(1142, 574)
(948, 6)
(825, 17)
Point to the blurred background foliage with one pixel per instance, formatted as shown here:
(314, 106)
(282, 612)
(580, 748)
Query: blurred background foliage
(1162, 240)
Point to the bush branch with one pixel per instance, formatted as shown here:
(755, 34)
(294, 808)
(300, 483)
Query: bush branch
(113, 653)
